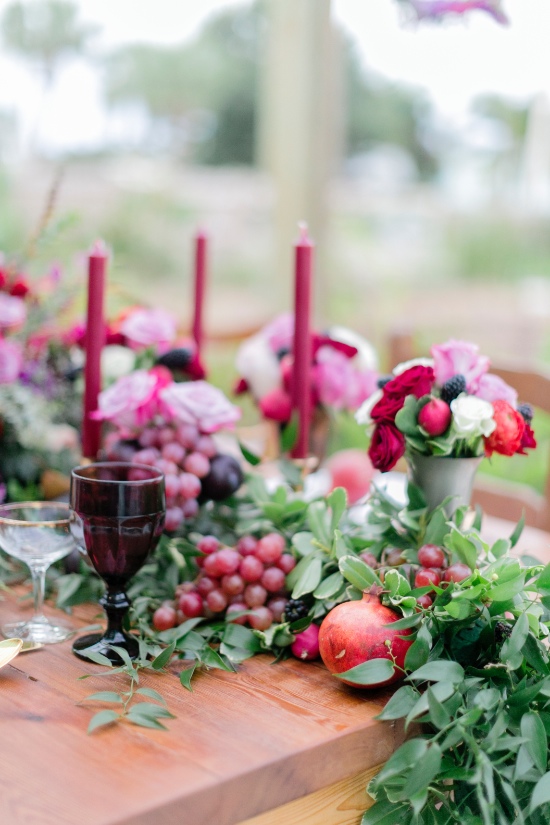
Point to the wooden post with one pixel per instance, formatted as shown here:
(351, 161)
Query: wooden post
(298, 129)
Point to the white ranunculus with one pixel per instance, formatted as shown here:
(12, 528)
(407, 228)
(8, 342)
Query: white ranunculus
(116, 361)
(472, 416)
(362, 416)
(258, 365)
(414, 362)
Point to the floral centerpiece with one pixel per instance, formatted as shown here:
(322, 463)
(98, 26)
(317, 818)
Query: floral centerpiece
(343, 374)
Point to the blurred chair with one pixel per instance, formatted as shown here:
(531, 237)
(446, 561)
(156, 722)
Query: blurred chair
(500, 497)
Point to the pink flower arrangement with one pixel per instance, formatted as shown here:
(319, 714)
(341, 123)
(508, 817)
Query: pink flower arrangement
(449, 405)
(343, 373)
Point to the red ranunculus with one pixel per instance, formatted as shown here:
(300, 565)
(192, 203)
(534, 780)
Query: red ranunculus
(507, 436)
(388, 406)
(417, 381)
(528, 441)
(386, 447)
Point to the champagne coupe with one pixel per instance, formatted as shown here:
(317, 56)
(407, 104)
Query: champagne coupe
(117, 517)
(37, 533)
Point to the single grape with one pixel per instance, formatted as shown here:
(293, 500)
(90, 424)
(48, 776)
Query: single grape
(431, 555)
(228, 560)
(149, 457)
(190, 508)
(187, 435)
(206, 445)
(232, 584)
(273, 579)
(457, 572)
(174, 519)
(216, 601)
(196, 463)
(370, 559)
(237, 607)
(425, 601)
(205, 584)
(270, 548)
(173, 452)
(246, 545)
(426, 577)
(190, 485)
(260, 618)
(255, 595)
(277, 606)
(148, 438)
(251, 569)
(171, 485)
(208, 544)
(165, 435)
(287, 562)
(191, 605)
(164, 617)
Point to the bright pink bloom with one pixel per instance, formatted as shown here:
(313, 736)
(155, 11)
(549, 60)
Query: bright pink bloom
(132, 401)
(459, 358)
(13, 311)
(276, 405)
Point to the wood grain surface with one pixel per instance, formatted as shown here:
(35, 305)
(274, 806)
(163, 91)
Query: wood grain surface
(242, 744)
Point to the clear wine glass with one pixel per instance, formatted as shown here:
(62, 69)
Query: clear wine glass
(117, 518)
(37, 533)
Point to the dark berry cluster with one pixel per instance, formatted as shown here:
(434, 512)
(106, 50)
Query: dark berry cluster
(527, 412)
(452, 388)
(296, 609)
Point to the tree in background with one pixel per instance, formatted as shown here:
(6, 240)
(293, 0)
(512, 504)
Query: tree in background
(45, 33)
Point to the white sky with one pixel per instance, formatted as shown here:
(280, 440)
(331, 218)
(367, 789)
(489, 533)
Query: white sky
(453, 61)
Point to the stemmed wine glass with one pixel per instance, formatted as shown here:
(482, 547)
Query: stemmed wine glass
(37, 533)
(117, 517)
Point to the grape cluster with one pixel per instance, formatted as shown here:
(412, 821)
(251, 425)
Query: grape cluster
(183, 454)
(245, 584)
(432, 568)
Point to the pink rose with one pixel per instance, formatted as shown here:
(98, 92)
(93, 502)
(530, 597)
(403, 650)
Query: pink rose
(493, 388)
(11, 361)
(459, 358)
(201, 404)
(279, 333)
(332, 375)
(13, 311)
(149, 328)
(133, 400)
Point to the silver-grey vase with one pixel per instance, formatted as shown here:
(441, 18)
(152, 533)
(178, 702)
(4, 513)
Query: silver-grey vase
(441, 476)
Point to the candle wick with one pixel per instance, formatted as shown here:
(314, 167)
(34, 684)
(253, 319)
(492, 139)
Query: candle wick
(99, 249)
(302, 227)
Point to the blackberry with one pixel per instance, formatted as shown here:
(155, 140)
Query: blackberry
(526, 411)
(296, 609)
(383, 380)
(502, 632)
(452, 388)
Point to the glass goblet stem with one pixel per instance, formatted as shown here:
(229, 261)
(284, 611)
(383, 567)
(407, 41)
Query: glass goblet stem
(38, 576)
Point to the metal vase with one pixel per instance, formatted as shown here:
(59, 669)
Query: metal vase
(441, 476)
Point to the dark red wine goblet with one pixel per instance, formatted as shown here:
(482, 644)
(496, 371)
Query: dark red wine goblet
(117, 517)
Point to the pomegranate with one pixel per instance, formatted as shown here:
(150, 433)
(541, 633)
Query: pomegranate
(354, 632)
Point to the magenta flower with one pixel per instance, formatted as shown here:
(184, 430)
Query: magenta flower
(279, 333)
(11, 361)
(133, 400)
(149, 328)
(199, 403)
(459, 358)
(435, 9)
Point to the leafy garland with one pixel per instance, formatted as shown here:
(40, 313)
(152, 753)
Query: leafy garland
(477, 677)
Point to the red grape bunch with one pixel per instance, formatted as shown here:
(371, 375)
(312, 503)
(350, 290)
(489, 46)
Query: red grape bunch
(432, 568)
(245, 584)
(191, 465)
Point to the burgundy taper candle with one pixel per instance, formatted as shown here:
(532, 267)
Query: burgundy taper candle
(301, 374)
(94, 343)
(201, 244)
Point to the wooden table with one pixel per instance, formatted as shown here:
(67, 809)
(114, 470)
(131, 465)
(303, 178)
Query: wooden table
(242, 745)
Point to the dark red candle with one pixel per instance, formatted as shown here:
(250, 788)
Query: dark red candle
(301, 377)
(200, 282)
(94, 343)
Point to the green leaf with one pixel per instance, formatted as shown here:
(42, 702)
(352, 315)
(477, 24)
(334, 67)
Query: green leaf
(459, 609)
(249, 456)
(511, 651)
(317, 517)
(289, 435)
(104, 717)
(424, 771)
(329, 586)
(337, 500)
(357, 572)
(309, 578)
(537, 746)
(163, 658)
(303, 543)
(541, 792)
(543, 581)
(507, 590)
(152, 694)
(399, 705)
(462, 547)
(104, 696)
(439, 716)
(385, 813)
(437, 528)
(514, 538)
(144, 721)
(369, 673)
(440, 670)
(150, 709)
(404, 758)
(235, 635)
(186, 676)
(500, 548)
(535, 654)
(417, 655)
(98, 658)
(396, 583)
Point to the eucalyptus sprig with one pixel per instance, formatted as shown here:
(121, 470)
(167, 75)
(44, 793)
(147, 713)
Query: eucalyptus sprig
(144, 714)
